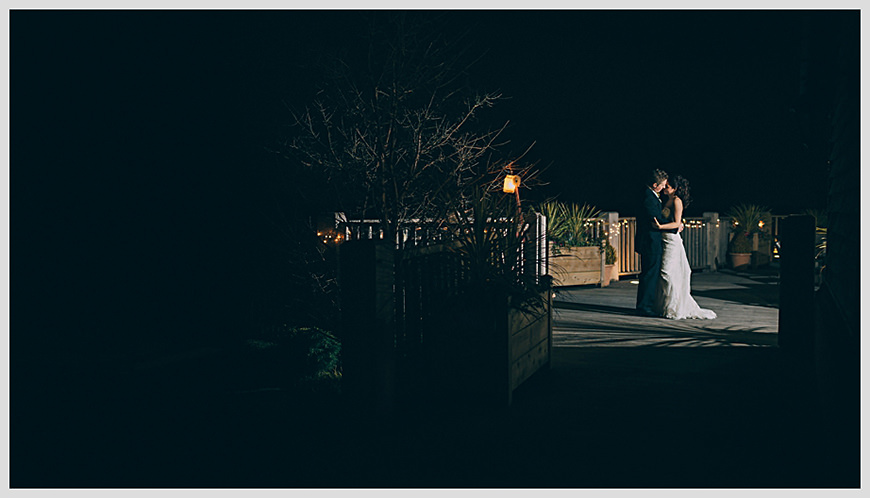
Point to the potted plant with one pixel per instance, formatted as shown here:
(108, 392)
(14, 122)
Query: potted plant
(580, 224)
(748, 223)
(610, 271)
(740, 249)
(575, 253)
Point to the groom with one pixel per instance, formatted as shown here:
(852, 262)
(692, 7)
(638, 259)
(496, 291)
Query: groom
(648, 242)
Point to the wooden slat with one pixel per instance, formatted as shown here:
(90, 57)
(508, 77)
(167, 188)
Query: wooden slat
(528, 363)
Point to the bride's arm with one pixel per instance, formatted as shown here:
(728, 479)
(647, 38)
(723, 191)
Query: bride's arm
(678, 216)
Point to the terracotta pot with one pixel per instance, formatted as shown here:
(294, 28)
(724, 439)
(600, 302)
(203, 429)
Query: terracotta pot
(739, 260)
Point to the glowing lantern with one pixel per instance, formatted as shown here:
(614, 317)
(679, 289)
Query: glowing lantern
(511, 182)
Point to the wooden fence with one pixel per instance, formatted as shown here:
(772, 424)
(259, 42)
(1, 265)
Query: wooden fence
(700, 238)
(705, 239)
(415, 234)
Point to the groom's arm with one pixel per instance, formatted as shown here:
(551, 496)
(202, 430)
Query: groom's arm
(653, 209)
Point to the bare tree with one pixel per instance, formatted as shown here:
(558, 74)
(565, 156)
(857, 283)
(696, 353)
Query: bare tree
(399, 139)
(393, 134)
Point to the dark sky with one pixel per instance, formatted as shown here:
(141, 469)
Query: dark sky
(709, 95)
(177, 100)
(135, 135)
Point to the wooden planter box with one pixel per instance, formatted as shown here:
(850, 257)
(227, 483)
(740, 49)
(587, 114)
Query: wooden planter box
(482, 356)
(530, 338)
(575, 265)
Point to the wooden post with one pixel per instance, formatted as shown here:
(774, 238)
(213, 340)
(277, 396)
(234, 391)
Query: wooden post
(366, 279)
(755, 259)
(711, 222)
(601, 271)
(541, 244)
(547, 281)
(535, 246)
(796, 282)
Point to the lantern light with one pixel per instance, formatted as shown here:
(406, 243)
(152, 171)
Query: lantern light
(511, 182)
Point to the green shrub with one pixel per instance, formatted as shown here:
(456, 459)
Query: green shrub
(741, 243)
(609, 254)
(287, 355)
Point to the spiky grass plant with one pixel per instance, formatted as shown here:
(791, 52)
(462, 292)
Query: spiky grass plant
(490, 235)
(580, 225)
(747, 220)
(570, 224)
(750, 219)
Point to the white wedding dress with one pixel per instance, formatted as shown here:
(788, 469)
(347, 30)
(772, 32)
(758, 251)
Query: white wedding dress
(673, 299)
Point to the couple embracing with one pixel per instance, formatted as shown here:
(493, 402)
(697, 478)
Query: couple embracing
(665, 275)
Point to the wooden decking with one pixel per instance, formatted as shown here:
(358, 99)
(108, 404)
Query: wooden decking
(746, 305)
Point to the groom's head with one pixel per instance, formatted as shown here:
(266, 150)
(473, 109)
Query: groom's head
(657, 180)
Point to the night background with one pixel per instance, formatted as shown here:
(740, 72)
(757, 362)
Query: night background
(143, 175)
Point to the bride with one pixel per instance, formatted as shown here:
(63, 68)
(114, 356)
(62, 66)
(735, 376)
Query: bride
(672, 294)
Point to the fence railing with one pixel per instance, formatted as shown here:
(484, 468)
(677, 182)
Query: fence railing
(695, 241)
(704, 237)
(623, 242)
(425, 233)
(700, 238)
(414, 233)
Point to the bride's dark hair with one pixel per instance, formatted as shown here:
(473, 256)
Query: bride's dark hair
(681, 186)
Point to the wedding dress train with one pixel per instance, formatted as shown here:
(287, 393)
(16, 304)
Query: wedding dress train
(673, 298)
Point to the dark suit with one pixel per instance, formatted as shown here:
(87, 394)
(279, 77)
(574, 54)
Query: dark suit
(648, 242)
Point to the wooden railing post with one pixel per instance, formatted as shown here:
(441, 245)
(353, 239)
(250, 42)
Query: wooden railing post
(366, 278)
(711, 225)
(535, 246)
(601, 270)
(547, 282)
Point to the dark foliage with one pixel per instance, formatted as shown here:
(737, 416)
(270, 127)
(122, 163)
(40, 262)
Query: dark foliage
(287, 356)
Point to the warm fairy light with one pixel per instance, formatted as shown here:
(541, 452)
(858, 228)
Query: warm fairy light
(511, 183)
(760, 223)
(331, 237)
